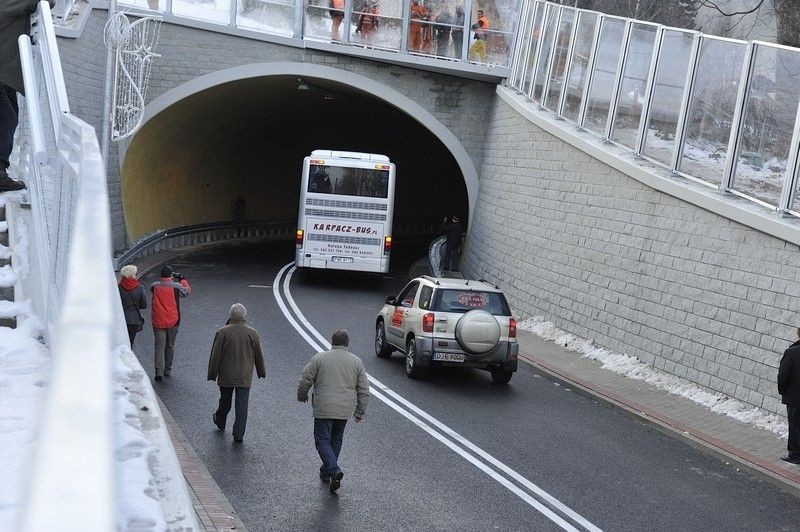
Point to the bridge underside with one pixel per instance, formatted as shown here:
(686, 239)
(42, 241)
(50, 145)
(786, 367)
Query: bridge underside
(189, 163)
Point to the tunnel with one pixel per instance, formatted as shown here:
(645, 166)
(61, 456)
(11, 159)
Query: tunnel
(192, 158)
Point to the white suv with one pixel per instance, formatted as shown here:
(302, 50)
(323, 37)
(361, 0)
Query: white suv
(449, 322)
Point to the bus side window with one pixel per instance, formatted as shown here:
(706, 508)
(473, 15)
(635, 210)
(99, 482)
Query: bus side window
(425, 297)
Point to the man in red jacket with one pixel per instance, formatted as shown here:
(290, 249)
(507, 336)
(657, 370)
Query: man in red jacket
(166, 317)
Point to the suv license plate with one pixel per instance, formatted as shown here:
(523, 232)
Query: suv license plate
(342, 259)
(449, 357)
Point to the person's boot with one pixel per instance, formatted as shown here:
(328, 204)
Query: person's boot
(9, 185)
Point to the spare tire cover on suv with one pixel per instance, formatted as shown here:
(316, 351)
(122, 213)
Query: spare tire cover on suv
(477, 332)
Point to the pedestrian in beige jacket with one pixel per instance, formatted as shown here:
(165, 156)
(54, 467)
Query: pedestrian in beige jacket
(341, 390)
(236, 349)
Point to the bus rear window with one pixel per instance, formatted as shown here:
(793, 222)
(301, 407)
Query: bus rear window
(366, 182)
(466, 300)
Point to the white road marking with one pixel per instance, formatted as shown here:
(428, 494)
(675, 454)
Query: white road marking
(379, 389)
(259, 286)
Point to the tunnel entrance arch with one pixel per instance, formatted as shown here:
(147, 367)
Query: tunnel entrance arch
(315, 75)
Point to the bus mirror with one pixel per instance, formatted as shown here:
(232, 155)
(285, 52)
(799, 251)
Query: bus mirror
(390, 300)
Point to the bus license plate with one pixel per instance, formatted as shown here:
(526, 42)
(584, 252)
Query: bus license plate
(342, 259)
(448, 357)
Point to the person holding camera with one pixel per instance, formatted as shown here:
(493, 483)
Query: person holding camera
(166, 317)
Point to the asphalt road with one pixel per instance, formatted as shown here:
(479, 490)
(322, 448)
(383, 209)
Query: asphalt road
(611, 470)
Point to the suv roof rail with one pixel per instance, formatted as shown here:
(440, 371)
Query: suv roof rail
(487, 282)
(429, 278)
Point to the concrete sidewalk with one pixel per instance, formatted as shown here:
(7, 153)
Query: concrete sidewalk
(752, 448)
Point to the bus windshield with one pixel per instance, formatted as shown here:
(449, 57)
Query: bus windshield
(338, 180)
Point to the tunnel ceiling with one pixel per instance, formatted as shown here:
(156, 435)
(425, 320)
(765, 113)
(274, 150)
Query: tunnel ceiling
(189, 163)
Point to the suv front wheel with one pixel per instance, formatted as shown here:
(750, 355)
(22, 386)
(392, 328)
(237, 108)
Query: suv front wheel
(412, 360)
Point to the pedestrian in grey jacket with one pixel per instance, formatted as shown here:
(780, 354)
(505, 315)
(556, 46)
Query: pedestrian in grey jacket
(133, 300)
(341, 390)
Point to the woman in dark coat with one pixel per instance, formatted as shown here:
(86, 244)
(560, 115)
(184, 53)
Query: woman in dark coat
(133, 300)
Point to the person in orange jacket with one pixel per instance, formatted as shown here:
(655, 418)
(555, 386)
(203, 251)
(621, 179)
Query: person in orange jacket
(166, 317)
(337, 14)
(419, 13)
(368, 21)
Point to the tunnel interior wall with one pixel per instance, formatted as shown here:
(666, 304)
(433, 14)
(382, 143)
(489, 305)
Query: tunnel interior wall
(638, 271)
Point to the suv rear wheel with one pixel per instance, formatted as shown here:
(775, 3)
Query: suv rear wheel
(382, 348)
(412, 360)
(501, 375)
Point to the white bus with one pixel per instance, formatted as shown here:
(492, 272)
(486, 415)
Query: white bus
(345, 216)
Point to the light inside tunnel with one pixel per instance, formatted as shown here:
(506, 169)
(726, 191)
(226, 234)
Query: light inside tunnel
(190, 163)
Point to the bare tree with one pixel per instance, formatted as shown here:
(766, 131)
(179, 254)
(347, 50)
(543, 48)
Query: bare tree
(787, 16)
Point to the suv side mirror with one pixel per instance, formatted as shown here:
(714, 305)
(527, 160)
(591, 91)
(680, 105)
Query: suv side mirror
(390, 300)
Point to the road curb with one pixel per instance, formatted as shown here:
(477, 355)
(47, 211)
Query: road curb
(784, 480)
(214, 511)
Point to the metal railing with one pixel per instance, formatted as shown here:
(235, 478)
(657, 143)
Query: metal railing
(75, 480)
(721, 112)
(441, 30)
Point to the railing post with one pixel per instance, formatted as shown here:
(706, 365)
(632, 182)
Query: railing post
(644, 119)
(598, 27)
(518, 41)
(538, 57)
(688, 88)
(568, 64)
(620, 74)
(550, 56)
(348, 16)
(738, 114)
(540, 7)
(299, 18)
(404, 26)
(467, 25)
(233, 13)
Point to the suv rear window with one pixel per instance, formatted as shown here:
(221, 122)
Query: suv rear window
(449, 300)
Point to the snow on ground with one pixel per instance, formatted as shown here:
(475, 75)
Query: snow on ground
(24, 373)
(632, 367)
(7, 276)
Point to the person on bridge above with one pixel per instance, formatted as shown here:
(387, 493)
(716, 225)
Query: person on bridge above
(133, 300)
(15, 20)
(789, 389)
(166, 317)
(236, 349)
(368, 21)
(443, 30)
(419, 13)
(454, 232)
(337, 14)
(341, 390)
(478, 48)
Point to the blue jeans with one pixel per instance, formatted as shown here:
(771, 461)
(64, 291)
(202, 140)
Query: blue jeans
(328, 435)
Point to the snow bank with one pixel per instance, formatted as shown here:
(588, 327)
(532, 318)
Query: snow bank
(632, 367)
(7, 276)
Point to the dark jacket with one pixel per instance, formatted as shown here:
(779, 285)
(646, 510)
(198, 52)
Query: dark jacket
(454, 232)
(14, 21)
(236, 349)
(789, 375)
(133, 299)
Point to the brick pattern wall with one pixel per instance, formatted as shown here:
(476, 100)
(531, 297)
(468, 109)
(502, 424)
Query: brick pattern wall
(640, 272)
(187, 53)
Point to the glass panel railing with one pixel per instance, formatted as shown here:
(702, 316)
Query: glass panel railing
(216, 11)
(634, 84)
(529, 59)
(579, 65)
(768, 123)
(270, 16)
(378, 24)
(153, 5)
(324, 22)
(558, 66)
(671, 71)
(605, 69)
(711, 109)
(543, 59)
